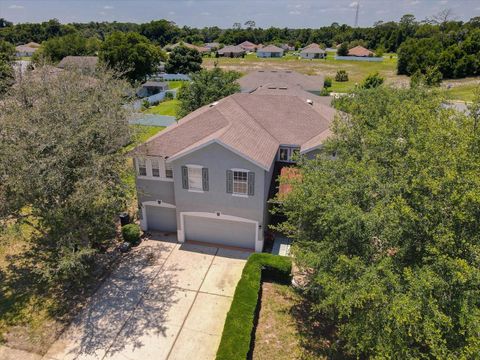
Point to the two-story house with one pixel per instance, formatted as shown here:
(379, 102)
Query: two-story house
(208, 177)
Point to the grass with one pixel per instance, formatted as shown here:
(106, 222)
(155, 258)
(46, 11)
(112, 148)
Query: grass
(462, 92)
(168, 107)
(142, 133)
(236, 336)
(276, 336)
(175, 84)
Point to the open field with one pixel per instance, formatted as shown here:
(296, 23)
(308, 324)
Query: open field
(461, 89)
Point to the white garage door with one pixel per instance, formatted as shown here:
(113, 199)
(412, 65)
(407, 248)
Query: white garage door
(220, 231)
(161, 218)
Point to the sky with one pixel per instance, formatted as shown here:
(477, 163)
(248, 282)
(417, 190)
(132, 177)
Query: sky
(224, 13)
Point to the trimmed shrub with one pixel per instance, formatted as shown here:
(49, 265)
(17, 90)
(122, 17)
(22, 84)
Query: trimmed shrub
(341, 76)
(239, 325)
(131, 233)
(169, 95)
(324, 92)
(327, 82)
(372, 81)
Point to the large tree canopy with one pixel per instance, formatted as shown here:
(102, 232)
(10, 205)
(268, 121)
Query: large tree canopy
(55, 49)
(61, 165)
(183, 60)
(7, 75)
(206, 87)
(388, 230)
(131, 54)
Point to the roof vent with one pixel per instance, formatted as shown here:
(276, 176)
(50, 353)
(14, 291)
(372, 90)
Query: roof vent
(272, 87)
(288, 71)
(261, 70)
(309, 102)
(283, 88)
(213, 104)
(274, 70)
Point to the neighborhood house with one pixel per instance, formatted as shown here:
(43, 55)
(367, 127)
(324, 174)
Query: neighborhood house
(313, 51)
(270, 51)
(209, 177)
(231, 51)
(248, 46)
(359, 51)
(26, 49)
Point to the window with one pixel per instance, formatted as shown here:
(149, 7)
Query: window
(284, 154)
(155, 168)
(195, 178)
(142, 167)
(240, 182)
(168, 170)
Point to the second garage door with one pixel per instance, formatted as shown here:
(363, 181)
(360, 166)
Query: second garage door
(161, 218)
(220, 231)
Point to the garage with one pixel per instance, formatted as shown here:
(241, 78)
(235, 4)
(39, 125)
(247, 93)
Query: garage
(221, 229)
(160, 218)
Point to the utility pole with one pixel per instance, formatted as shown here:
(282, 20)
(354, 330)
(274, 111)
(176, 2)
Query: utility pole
(356, 14)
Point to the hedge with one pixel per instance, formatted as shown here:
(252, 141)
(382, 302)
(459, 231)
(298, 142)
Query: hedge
(240, 322)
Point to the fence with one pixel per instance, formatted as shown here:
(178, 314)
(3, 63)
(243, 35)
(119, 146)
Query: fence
(358, 58)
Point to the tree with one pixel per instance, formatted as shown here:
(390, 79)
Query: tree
(75, 44)
(131, 54)
(61, 166)
(5, 23)
(7, 74)
(341, 76)
(183, 60)
(343, 49)
(387, 231)
(206, 87)
(250, 24)
(372, 81)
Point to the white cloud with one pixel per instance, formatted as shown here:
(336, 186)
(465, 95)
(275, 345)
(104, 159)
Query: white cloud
(102, 13)
(353, 4)
(171, 13)
(294, 12)
(414, 2)
(205, 13)
(443, 2)
(16, 7)
(108, 7)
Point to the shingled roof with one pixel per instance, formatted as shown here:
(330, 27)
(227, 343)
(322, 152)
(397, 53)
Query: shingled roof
(256, 79)
(251, 125)
(359, 51)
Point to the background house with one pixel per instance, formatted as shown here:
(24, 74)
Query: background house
(263, 79)
(360, 51)
(26, 49)
(270, 51)
(231, 51)
(86, 64)
(152, 87)
(248, 46)
(313, 51)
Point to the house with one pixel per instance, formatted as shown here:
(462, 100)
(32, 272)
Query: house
(360, 51)
(313, 51)
(152, 87)
(287, 47)
(86, 64)
(280, 78)
(26, 49)
(270, 51)
(248, 46)
(209, 177)
(231, 51)
(212, 45)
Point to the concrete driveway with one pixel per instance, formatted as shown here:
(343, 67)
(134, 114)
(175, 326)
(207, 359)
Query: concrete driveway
(165, 301)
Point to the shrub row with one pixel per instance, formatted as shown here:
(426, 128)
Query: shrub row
(240, 321)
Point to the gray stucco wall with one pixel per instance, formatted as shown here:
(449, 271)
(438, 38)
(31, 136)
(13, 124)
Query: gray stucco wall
(154, 190)
(218, 160)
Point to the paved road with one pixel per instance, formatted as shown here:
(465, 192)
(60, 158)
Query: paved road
(165, 301)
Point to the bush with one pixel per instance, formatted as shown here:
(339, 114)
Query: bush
(169, 95)
(372, 81)
(145, 104)
(239, 325)
(327, 82)
(131, 233)
(341, 76)
(343, 49)
(324, 92)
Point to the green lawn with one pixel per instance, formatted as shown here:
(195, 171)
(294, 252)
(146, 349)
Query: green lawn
(142, 133)
(168, 107)
(462, 92)
(175, 84)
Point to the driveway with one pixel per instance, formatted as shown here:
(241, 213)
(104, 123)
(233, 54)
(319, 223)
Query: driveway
(165, 301)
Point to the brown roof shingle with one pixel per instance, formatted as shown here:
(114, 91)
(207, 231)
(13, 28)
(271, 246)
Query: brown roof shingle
(253, 125)
(359, 51)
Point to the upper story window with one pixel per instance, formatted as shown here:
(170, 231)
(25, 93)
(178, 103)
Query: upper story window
(195, 178)
(240, 182)
(168, 170)
(142, 167)
(155, 168)
(287, 154)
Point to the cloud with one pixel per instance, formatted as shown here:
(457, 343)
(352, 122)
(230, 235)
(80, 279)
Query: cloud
(353, 4)
(16, 7)
(102, 13)
(108, 7)
(443, 2)
(414, 2)
(205, 13)
(171, 13)
(294, 12)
